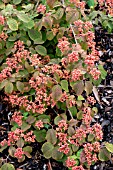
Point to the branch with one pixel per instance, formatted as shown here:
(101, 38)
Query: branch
(73, 33)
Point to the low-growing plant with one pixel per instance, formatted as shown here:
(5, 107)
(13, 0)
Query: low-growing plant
(49, 68)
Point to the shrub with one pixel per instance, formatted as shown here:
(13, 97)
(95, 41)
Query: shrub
(49, 68)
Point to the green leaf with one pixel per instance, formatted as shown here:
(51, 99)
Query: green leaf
(79, 115)
(59, 118)
(56, 92)
(20, 143)
(7, 166)
(56, 154)
(90, 137)
(34, 34)
(27, 149)
(80, 98)
(50, 35)
(109, 147)
(16, 2)
(78, 153)
(91, 3)
(30, 24)
(73, 110)
(103, 72)
(12, 23)
(25, 126)
(64, 85)
(23, 17)
(40, 135)
(20, 86)
(47, 149)
(8, 87)
(104, 155)
(41, 50)
(51, 136)
(59, 13)
(3, 83)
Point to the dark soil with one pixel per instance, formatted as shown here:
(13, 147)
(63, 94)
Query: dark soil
(104, 42)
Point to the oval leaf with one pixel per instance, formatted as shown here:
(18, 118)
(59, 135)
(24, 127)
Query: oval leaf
(8, 87)
(41, 50)
(51, 136)
(7, 166)
(109, 147)
(47, 149)
(12, 23)
(20, 86)
(64, 85)
(56, 154)
(23, 17)
(56, 92)
(40, 135)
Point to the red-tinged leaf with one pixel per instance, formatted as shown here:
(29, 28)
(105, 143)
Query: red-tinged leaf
(20, 143)
(47, 22)
(56, 92)
(30, 119)
(51, 136)
(78, 88)
(11, 151)
(88, 87)
(51, 3)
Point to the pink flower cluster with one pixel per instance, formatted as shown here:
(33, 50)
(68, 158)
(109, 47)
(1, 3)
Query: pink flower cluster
(63, 44)
(2, 20)
(87, 118)
(29, 137)
(91, 100)
(41, 8)
(73, 57)
(95, 73)
(78, 168)
(70, 162)
(76, 74)
(89, 149)
(79, 136)
(3, 36)
(17, 117)
(19, 153)
(39, 124)
(14, 136)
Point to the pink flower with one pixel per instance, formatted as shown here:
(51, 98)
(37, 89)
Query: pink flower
(63, 44)
(41, 8)
(39, 124)
(2, 20)
(70, 162)
(17, 117)
(76, 74)
(19, 153)
(95, 73)
(73, 57)
(78, 168)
